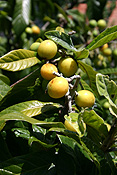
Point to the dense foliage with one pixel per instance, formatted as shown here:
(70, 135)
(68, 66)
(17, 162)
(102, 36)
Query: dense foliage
(44, 135)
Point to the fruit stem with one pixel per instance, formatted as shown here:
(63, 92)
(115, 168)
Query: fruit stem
(77, 77)
(69, 101)
(57, 74)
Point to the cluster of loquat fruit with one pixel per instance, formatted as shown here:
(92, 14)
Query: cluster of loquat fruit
(57, 74)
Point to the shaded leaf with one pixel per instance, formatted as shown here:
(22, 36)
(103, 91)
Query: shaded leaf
(5, 79)
(39, 143)
(79, 152)
(108, 35)
(20, 90)
(85, 85)
(76, 15)
(18, 60)
(108, 71)
(4, 151)
(21, 15)
(4, 89)
(61, 11)
(99, 154)
(33, 163)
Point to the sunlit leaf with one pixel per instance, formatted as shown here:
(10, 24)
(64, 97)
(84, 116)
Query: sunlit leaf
(30, 108)
(62, 39)
(95, 121)
(18, 60)
(80, 54)
(60, 29)
(74, 122)
(18, 116)
(108, 89)
(108, 35)
(90, 73)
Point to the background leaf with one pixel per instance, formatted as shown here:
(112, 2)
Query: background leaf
(21, 15)
(108, 89)
(61, 11)
(108, 35)
(95, 9)
(108, 71)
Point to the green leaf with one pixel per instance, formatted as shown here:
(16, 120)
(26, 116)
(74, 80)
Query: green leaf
(18, 116)
(90, 73)
(3, 4)
(21, 90)
(76, 122)
(81, 53)
(111, 164)
(96, 9)
(32, 163)
(4, 152)
(21, 16)
(85, 85)
(77, 16)
(39, 143)
(95, 121)
(64, 40)
(108, 71)
(80, 153)
(30, 108)
(18, 60)
(4, 89)
(108, 35)
(98, 153)
(108, 89)
(61, 11)
(5, 79)
(21, 132)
